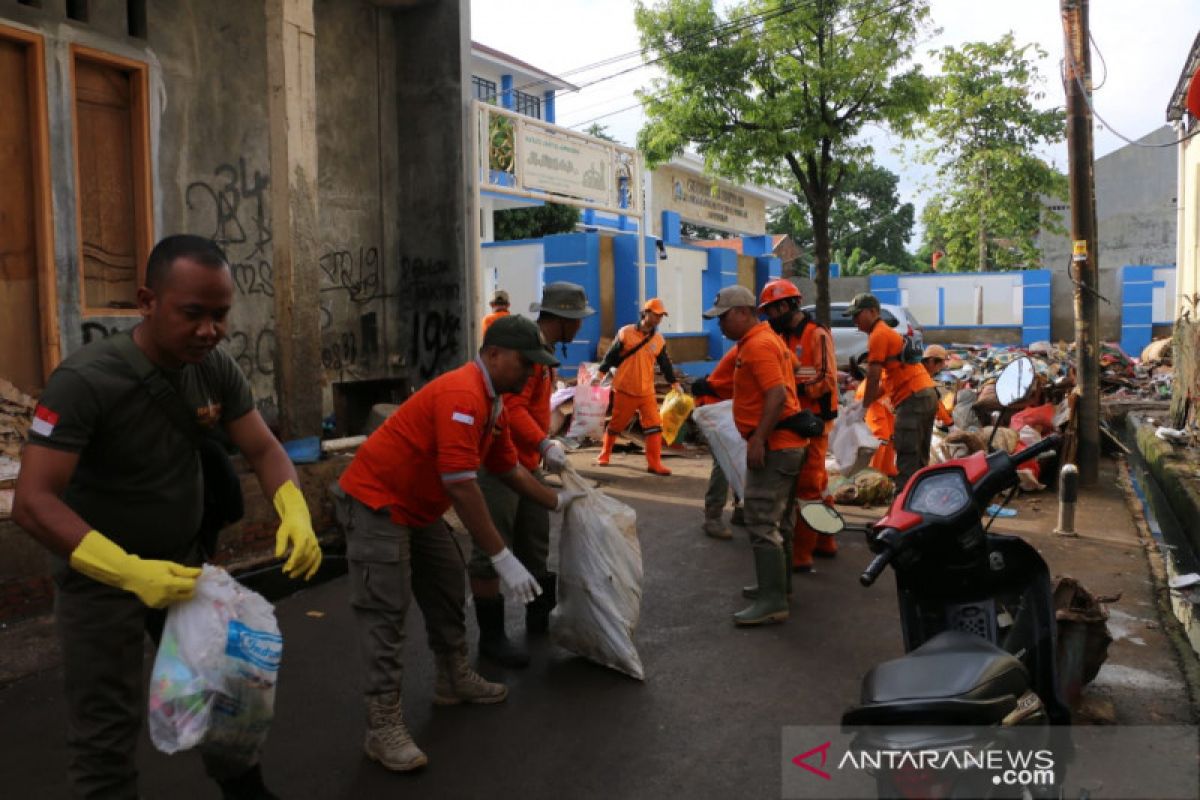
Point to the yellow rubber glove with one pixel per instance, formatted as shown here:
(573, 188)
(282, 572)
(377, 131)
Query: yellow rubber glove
(157, 583)
(296, 529)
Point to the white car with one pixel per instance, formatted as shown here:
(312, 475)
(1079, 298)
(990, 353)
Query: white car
(851, 343)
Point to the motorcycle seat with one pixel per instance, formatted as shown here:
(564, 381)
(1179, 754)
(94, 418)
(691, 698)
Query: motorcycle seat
(954, 677)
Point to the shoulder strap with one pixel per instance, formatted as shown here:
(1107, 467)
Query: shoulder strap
(636, 347)
(157, 387)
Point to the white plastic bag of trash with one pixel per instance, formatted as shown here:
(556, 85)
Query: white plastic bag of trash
(847, 439)
(726, 444)
(599, 579)
(214, 676)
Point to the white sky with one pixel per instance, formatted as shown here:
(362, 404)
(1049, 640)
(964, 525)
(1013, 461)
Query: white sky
(1143, 42)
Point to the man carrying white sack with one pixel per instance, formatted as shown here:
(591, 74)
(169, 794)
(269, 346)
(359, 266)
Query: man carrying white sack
(390, 500)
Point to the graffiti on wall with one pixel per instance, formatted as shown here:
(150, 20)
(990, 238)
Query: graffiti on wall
(351, 278)
(356, 273)
(432, 296)
(231, 206)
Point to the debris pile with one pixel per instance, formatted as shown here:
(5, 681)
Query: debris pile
(16, 412)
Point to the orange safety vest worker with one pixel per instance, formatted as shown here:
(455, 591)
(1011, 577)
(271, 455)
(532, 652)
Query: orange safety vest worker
(882, 422)
(815, 362)
(492, 317)
(633, 354)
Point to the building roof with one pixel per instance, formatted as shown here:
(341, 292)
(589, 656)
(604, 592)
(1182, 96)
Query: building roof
(734, 244)
(1178, 105)
(529, 78)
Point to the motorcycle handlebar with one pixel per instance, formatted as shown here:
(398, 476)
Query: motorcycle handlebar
(1033, 451)
(875, 568)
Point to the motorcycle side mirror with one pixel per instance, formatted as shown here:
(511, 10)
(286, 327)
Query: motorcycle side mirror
(822, 519)
(1015, 381)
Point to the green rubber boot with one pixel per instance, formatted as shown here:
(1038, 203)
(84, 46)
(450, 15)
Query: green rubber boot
(771, 603)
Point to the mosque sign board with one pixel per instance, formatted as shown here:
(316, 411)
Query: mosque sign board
(692, 196)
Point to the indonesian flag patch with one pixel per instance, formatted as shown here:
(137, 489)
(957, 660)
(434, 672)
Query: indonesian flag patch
(464, 415)
(44, 421)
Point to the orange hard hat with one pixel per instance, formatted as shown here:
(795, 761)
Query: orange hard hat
(778, 289)
(656, 305)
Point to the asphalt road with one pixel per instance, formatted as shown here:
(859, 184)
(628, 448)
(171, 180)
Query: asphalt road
(706, 723)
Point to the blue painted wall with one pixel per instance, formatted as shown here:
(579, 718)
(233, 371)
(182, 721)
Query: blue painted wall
(575, 257)
(1035, 318)
(1137, 308)
(766, 269)
(722, 271)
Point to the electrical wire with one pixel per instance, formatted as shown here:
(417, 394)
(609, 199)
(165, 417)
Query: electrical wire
(1069, 61)
(848, 27)
(700, 37)
(1103, 63)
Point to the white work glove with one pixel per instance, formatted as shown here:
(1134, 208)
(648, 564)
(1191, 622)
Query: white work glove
(518, 583)
(566, 497)
(554, 456)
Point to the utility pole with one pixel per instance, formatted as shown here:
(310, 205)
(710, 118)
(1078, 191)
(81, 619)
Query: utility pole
(1084, 270)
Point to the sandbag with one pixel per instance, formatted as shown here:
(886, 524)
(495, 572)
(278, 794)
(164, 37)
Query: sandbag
(590, 406)
(676, 407)
(214, 676)
(599, 579)
(724, 441)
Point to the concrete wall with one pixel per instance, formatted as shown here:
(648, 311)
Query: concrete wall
(1135, 208)
(393, 195)
(1062, 306)
(841, 290)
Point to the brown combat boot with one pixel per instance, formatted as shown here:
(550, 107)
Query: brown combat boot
(388, 740)
(714, 526)
(458, 683)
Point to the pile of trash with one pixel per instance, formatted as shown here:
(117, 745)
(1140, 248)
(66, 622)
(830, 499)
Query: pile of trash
(16, 412)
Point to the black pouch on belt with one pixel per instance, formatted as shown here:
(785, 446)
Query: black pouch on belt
(805, 423)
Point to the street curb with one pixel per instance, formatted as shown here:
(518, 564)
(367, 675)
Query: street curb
(1185, 657)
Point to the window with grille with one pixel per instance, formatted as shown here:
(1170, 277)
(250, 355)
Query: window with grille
(528, 105)
(485, 90)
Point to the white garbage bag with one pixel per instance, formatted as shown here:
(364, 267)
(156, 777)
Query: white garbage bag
(590, 407)
(215, 672)
(599, 579)
(846, 438)
(726, 444)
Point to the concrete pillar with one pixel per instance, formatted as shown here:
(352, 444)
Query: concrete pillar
(437, 218)
(292, 110)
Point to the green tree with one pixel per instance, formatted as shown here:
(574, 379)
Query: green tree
(985, 130)
(866, 215)
(782, 92)
(600, 132)
(535, 222)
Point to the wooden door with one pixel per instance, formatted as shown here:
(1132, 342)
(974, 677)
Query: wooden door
(608, 314)
(20, 322)
(107, 208)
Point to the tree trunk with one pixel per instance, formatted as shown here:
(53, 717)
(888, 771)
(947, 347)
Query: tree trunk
(981, 266)
(821, 247)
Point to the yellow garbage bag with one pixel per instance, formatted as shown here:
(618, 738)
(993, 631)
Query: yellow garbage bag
(676, 408)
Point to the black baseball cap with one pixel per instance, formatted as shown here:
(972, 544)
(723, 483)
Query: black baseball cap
(515, 332)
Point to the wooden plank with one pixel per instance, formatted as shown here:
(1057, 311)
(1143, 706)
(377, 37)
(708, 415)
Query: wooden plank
(20, 324)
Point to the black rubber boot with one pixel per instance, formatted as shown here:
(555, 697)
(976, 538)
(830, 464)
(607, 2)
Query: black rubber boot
(247, 786)
(494, 643)
(537, 613)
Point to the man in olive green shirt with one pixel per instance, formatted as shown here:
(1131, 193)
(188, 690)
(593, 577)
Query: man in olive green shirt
(113, 487)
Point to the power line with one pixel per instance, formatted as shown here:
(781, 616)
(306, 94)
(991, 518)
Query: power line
(1069, 62)
(703, 36)
(848, 27)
